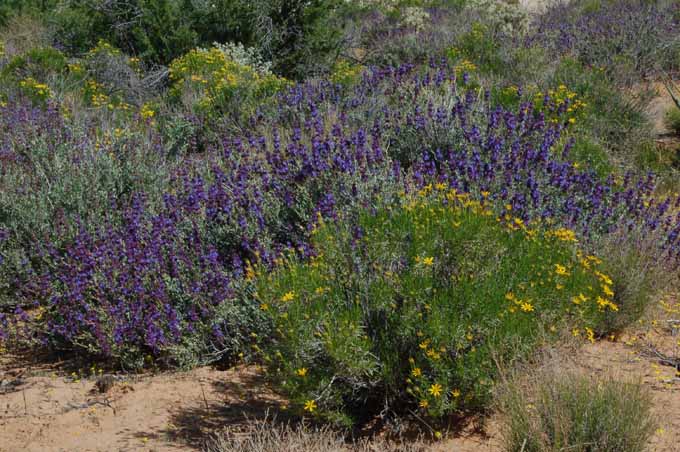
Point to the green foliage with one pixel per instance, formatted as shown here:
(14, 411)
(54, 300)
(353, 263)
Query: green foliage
(11, 8)
(587, 153)
(410, 308)
(672, 120)
(569, 412)
(300, 37)
(155, 30)
(212, 83)
(480, 46)
(39, 63)
(616, 118)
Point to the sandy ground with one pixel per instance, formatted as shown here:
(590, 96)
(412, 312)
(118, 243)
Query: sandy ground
(48, 409)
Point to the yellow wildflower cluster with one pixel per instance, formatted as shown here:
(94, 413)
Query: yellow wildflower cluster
(346, 73)
(562, 96)
(103, 48)
(216, 78)
(534, 278)
(95, 94)
(35, 89)
(147, 112)
(465, 66)
(564, 234)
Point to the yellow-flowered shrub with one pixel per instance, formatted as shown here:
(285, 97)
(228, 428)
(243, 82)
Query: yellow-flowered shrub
(346, 73)
(409, 308)
(213, 83)
(36, 91)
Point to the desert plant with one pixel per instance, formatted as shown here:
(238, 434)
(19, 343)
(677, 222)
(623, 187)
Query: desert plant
(268, 435)
(408, 308)
(564, 411)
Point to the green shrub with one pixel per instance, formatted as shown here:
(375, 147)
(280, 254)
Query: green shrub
(481, 47)
(672, 120)
(39, 63)
(561, 412)
(210, 82)
(409, 308)
(615, 117)
(588, 153)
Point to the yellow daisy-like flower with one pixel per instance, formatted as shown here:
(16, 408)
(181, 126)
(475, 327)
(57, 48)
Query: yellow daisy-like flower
(424, 403)
(561, 270)
(288, 296)
(526, 307)
(310, 405)
(428, 261)
(435, 390)
(455, 393)
(416, 372)
(301, 372)
(590, 334)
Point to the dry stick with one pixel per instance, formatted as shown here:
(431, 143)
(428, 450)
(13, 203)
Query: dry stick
(204, 398)
(524, 444)
(23, 393)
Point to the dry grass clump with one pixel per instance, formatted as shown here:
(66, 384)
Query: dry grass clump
(268, 436)
(552, 411)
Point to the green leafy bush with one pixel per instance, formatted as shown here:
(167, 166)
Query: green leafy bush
(560, 412)
(672, 120)
(410, 308)
(481, 46)
(39, 63)
(211, 82)
(615, 117)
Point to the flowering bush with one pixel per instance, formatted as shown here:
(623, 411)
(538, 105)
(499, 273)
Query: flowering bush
(409, 308)
(214, 83)
(321, 148)
(623, 38)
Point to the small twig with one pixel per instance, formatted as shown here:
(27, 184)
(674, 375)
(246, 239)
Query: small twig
(524, 444)
(23, 393)
(663, 358)
(421, 420)
(205, 400)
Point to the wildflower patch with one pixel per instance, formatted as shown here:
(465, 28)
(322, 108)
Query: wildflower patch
(417, 303)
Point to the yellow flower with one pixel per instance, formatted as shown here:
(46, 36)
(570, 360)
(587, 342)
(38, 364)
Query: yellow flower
(526, 307)
(424, 403)
(310, 405)
(289, 296)
(435, 390)
(428, 261)
(561, 270)
(579, 299)
(455, 393)
(590, 334)
(604, 278)
(416, 372)
(301, 372)
(607, 290)
(602, 303)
